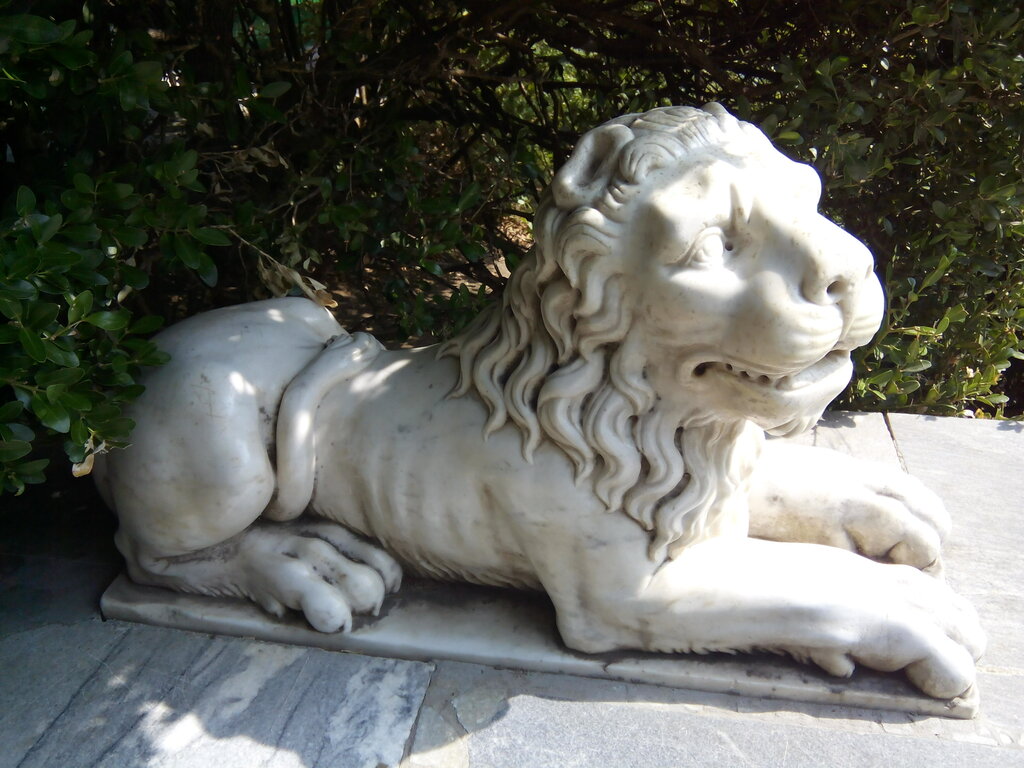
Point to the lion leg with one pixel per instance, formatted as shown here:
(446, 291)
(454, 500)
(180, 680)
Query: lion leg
(281, 566)
(815, 603)
(191, 489)
(191, 522)
(820, 496)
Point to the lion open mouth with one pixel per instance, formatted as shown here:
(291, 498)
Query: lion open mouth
(830, 365)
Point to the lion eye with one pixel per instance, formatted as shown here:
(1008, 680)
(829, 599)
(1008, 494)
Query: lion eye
(710, 248)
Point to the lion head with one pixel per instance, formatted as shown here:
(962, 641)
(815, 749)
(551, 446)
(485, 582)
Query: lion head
(683, 288)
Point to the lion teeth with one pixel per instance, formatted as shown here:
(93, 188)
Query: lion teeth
(753, 377)
(780, 382)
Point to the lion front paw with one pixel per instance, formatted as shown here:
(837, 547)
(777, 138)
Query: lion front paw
(317, 568)
(906, 620)
(819, 496)
(893, 517)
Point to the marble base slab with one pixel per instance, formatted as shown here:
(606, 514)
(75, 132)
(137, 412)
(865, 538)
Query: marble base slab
(503, 628)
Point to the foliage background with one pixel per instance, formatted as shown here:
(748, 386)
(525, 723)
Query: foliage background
(164, 157)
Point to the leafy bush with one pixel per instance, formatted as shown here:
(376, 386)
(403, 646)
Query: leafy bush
(88, 191)
(160, 158)
(918, 135)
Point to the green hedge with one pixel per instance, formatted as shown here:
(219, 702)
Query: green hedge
(161, 158)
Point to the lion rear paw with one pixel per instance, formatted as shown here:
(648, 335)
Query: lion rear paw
(314, 568)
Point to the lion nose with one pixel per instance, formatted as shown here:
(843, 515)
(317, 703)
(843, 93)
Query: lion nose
(825, 289)
(836, 264)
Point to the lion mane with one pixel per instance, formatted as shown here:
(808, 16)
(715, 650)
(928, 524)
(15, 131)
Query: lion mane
(558, 359)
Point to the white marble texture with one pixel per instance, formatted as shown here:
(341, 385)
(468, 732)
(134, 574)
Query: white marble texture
(133, 696)
(599, 435)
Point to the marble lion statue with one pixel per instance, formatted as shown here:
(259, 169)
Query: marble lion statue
(599, 435)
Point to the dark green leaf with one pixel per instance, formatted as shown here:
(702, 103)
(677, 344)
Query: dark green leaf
(21, 432)
(48, 228)
(134, 277)
(79, 432)
(186, 161)
(61, 356)
(83, 233)
(30, 470)
(920, 365)
(128, 96)
(10, 309)
(54, 391)
(131, 236)
(65, 376)
(26, 202)
(469, 197)
(83, 183)
(207, 270)
(109, 320)
(18, 290)
(211, 236)
(148, 324)
(149, 71)
(75, 451)
(473, 251)
(74, 401)
(33, 30)
(51, 415)
(186, 250)
(32, 344)
(275, 90)
(72, 56)
(119, 427)
(121, 63)
(40, 315)
(11, 410)
(12, 450)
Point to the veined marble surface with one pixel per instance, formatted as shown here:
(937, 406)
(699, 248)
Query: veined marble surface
(134, 696)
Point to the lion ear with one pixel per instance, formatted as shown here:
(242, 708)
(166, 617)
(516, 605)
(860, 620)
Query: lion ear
(593, 161)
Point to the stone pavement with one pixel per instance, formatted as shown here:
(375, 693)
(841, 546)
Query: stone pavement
(78, 691)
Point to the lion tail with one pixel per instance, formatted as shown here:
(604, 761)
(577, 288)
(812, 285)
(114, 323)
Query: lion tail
(342, 358)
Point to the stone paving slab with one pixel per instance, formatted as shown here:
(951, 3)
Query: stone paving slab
(119, 695)
(861, 435)
(977, 467)
(480, 717)
(647, 736)
(39, 590)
